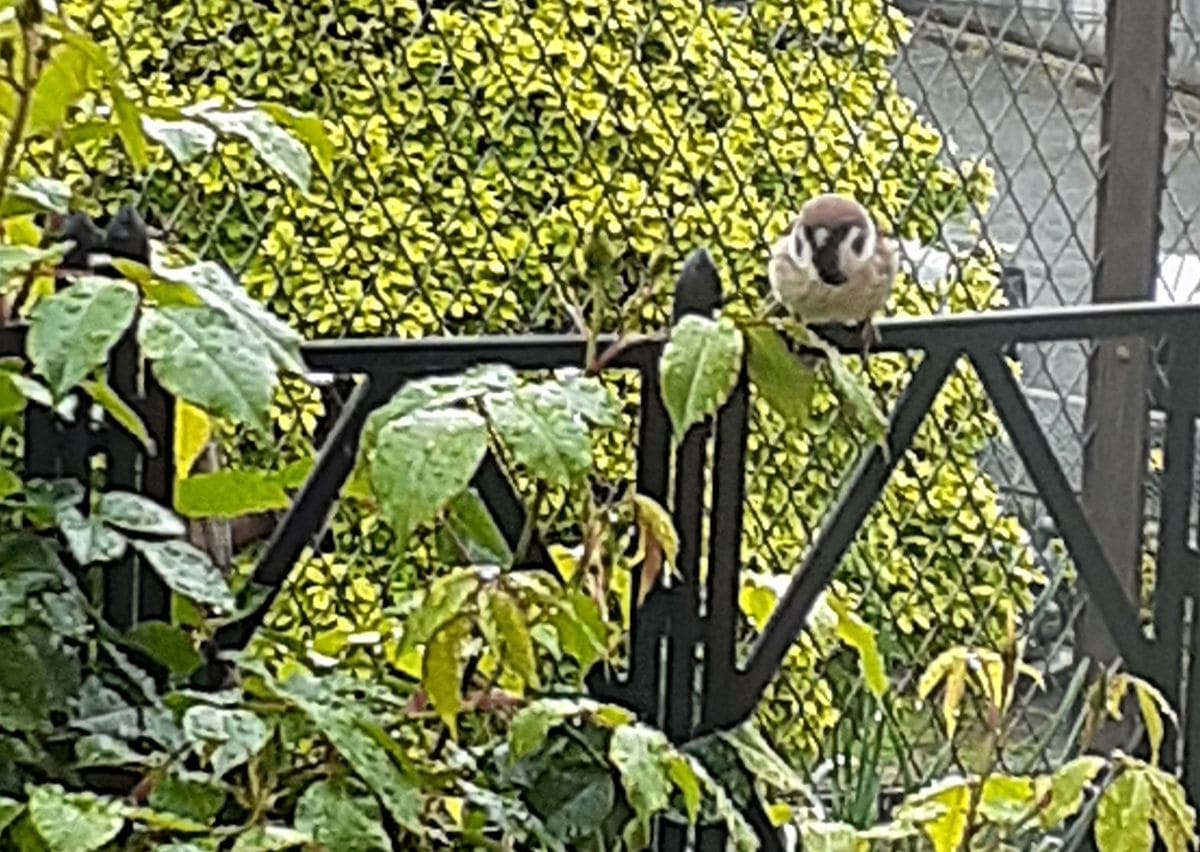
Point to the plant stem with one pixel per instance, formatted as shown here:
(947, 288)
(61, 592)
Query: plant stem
(16, 131)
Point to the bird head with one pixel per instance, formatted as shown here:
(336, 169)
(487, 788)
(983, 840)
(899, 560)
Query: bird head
(833, 235)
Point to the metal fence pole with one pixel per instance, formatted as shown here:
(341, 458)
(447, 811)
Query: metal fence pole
(1132, 139)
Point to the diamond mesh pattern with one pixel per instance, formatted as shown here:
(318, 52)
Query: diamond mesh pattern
(481, 146)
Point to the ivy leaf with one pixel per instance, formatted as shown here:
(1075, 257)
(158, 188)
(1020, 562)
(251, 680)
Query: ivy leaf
(700, 366)
(10, 809)
(129, 127)
(128, 419)
(72, 331)
(188, 571)
(277, 148)
(336, 818)
(36, 195)
(442, 672)
(198, 800)
(638, 754)
(1123, 815)
(73, 822)
(202, 356)
(1065, 789)
(138, 514)
(784, 381)
(861, 637)
(185, 139)
(238, 735)
(543, 435)
(230, 494)
(90, 539)
(512, 643)
(167, 644)
(422, 461)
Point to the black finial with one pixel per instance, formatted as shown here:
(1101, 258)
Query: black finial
(698, 290)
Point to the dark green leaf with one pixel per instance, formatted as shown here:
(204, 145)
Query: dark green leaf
(762, 761)
(168, 645)
(10, 809)
(106, 750)
(442, 671)
(46, 674)
(473, 530)
(638, 754)
(531, 725)
(90, 539)
(581, 630)
(573, 802)
(71, 332)
(543, 435)
(138, 514)
(359, 748)
(445, 599)
(202, 356)
(237, 734)
(784, 381)
(277, 148)
(199, 799)
(10, 483)
(185, 139)
(108, 399)
(424, 460)
(700, 366)
(339, 819)
(189, 572)
(130, 127)
(510, 636)
(73, 822)
(230, 494)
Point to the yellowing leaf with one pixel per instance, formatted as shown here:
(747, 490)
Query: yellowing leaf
(861, 637)
(442, 672)
(1123, 815)
(193, 430)
(956, 682)
(1062, 792)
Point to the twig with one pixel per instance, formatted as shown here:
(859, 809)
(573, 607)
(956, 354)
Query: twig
(16, 132)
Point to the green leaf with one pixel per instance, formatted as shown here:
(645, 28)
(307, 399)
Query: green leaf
(138, 514)
(47, 674)
(858, 402)
(638, 754)
(1065, 789)
(189, 572)
(36, 195)
(1007, 799)
(422, 461)
(219, 291)
(167, 644)
(832, 837)
(277, 148)
(130, 128)
(762, 761)
(202, 356)
(1173, 816)
(237, 734)
(10, 809)
(784, 381)
(574, 800)
(442, 672)
(445, 599)
(586, 396)
(230, 494)
(72, 331)
(108, 399)
(1123, 815)
(90, 539)
(270, 838)
(700, 366)
(105, 750)
(199, 800)
(359, 748)
(581, 629)
(185, 139)
(861, 637)
(307, 127)
(338, 819)
(16, 260)
(160, 292)
(530, 726)
(544, 436)
(73, 822)
(683, 775)
(10, 483)
(64, 80)
(472, 529)
(513, 645)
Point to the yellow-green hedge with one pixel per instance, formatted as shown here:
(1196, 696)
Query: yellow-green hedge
(479, 149)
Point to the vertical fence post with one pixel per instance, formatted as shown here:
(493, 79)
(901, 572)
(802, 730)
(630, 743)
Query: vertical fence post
(1132, 138)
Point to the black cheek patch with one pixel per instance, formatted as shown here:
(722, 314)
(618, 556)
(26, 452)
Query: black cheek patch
(859, 243)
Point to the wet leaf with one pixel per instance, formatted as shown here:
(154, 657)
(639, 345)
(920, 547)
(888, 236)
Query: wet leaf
(189, 572)
(237, 734)
(73, 822)
(700, 366)
(339, 819)
(780, 377)
(138, 514)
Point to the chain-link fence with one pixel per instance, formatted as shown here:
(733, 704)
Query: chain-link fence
(480, 148)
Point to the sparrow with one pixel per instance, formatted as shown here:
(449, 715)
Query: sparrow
(834, 265)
